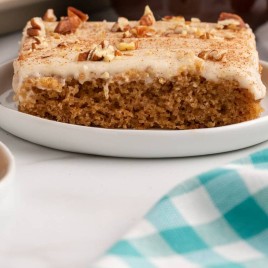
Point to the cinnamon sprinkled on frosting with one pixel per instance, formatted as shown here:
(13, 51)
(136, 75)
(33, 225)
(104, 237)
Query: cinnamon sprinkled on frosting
(72, 40)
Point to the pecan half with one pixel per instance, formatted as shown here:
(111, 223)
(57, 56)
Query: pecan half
(148, 18)
(71, 23)
(227, 19)
(64, 27)
(71, 11)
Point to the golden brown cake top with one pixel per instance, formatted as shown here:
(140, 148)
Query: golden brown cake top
(76, 48)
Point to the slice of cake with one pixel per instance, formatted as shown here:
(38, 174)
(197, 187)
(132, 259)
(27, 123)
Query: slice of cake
(168, 74)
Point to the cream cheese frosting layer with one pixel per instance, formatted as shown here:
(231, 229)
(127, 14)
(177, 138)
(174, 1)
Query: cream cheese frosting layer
(166, 54)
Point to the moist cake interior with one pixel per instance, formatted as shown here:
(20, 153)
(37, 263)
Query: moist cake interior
(199, 103)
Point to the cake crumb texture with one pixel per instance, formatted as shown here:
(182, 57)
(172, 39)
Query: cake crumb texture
(185, 102)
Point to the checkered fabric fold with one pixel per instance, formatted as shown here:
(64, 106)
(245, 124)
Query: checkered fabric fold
(217, 219)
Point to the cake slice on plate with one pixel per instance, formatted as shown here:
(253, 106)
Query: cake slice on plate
(145, 74)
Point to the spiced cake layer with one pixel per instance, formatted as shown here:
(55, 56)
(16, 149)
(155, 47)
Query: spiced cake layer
(168, 74)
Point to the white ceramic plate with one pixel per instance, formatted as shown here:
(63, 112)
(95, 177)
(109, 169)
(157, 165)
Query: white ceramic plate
(128, 143)
(7, 170)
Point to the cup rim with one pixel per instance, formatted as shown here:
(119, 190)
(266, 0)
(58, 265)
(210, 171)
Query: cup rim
(10, 171)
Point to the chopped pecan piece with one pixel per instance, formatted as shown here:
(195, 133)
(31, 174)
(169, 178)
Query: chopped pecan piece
(127, 34)
(212, 55)
(118, 53)
(206, 35)
(62, 45)
(227, 19)
(102, 52)
(123, 46)
(33, 32)
(39, 43)
(37, 29)
(178, 19)
(37, 23)
(195, 20)
(260, 68)
(70, 24)
(148, 18)
(143, 31)
(75, 22)
(64, 27)
(49, 16)
(122, 25)
(83, 56)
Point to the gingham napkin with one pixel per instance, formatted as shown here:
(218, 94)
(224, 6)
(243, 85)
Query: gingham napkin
(218, 219)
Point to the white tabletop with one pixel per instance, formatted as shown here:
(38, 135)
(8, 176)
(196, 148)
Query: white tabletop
(66, 209)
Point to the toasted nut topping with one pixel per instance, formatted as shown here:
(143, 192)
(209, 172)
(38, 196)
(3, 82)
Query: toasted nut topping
(36, 43)
(168, 18)
(34, 46)
(37, 23)
(75, 12)
(37, 29)
(127, 46)
(83, 56)
(127, 34)
(64, 27)
(121, 25)
(62, 45)
(70, 24)
(204, 36)
(50, 16)
(118, 53)
(39, 43)
(75, 23)
(21, 57)
(33, 32)
(219, 26)
(128, 54)
(260, 68)
(178, 19)
(38, 40)
(229, 19)
(180, 30)
(173, 18)
(104, 51)
(229, 36)
(143, 31)
(148, 18)
(212, 55)
(195, 20)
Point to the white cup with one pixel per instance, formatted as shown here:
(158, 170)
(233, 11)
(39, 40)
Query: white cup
(7, 170)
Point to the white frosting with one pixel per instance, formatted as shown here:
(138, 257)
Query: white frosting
(164, 56)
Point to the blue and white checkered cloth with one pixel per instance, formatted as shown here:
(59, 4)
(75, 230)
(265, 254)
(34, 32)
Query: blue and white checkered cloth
(218, 219)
